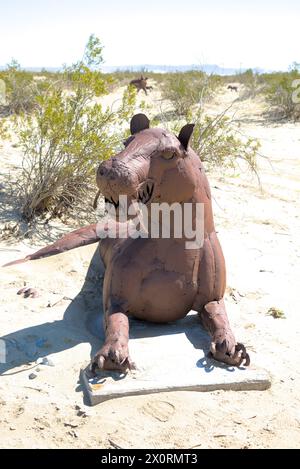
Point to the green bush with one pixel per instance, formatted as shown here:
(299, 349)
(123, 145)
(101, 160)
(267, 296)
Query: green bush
(66, 137)
(4, 134)
(21, 90)
(250, 80)
(219, 142)
(185, 90)
(278, 90)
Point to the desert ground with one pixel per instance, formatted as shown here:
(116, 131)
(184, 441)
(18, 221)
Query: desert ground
(259, 228)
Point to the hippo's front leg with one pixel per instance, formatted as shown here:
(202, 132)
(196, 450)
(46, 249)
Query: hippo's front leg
(223, 345)
(114, 354)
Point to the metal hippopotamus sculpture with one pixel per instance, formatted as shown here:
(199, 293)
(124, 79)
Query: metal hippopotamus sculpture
(156, 279)
(141, 84)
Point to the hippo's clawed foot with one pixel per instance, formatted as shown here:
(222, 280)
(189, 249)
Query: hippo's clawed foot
(234, 356)
(28, 292)
(224, 347)
(114, 355)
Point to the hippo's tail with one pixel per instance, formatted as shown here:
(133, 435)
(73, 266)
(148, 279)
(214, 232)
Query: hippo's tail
(81, 237)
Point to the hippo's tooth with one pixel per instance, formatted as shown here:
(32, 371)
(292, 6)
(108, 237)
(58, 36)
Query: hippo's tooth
(116, 204)
(151, 191)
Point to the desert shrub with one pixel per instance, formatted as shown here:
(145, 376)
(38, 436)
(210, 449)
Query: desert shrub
(217, 139)
(246, 78)
(4, 130)
(185, 90)
(276, 313)
(2, 90)
(21, 90)
(278, 89)
(250, 80)
(219, 142)
(123, 77)
(66, 137)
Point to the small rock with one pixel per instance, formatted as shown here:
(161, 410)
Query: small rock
(80, 412)
(268, 429)
(12, 428)
(46, 361)
(32, 376)
(70, 425)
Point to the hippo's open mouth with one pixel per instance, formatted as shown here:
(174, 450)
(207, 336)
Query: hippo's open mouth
(145, 192)
(143, 195)
(112, 201)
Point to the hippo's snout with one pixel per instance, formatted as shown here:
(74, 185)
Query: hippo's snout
(114, 178)
(112, 169)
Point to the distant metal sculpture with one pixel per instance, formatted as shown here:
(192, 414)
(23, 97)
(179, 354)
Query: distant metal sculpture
(141, 84)
(156, 279)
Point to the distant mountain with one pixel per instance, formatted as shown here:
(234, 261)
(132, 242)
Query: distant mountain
(36, 69)
(208, 68)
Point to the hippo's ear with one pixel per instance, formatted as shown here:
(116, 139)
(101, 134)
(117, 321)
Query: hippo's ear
(185, 135)
(139, 122)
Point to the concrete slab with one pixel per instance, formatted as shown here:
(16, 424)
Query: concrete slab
(171, 357)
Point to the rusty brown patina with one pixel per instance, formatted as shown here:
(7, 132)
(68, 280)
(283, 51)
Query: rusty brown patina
(156, 279)
(141, 84)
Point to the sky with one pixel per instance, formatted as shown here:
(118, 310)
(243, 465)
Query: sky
(233, 33)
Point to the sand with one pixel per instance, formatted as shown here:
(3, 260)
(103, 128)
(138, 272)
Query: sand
(260, 225)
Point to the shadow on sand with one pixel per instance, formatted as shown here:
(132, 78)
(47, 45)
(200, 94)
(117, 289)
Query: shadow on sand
(82, 322)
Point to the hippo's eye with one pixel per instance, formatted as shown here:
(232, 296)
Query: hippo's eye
(168, 155)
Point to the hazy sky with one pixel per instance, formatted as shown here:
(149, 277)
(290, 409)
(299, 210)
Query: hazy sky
(233, 33)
